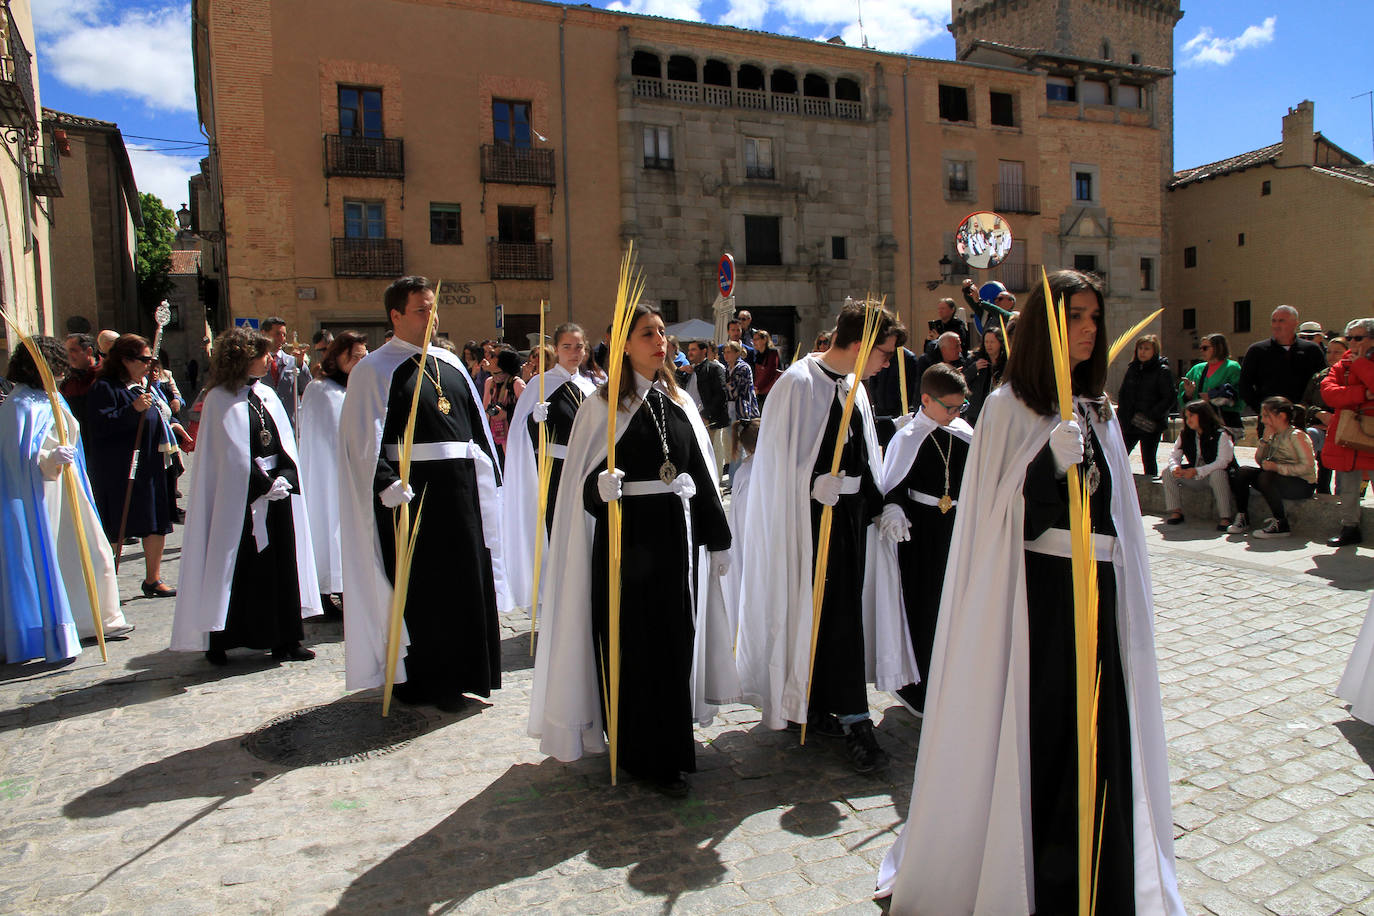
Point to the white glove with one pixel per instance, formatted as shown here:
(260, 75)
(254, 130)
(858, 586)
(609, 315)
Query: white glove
(54, 461)
(395, 495)
(281, 488)
(608, 485)
(826, 489)
(720, 561)
(540, 412)
(893, 524)
(1066, 443)
(903, 420)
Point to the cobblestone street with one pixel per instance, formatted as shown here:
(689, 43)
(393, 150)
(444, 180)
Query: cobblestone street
(134, 786)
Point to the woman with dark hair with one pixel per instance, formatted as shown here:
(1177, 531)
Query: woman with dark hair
(44, 607)
(1203, 457)
(1287, 469)
(676, 663)
(766, 364)
(318, 420)
(247, 565)
(117, 401)
(993, 822)
(1215, 380)
(990, 363)
(499, 396)
(1145, 398)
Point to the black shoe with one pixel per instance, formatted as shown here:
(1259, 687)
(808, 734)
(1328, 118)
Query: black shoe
(296, 653)
(913, 697)
(1174, 520)
(409, 695)
(1350, 534)
(157, 589)
(674, 786)
(456, 703)
(179, 516)
(862, 748)
(824, 724)
(333, 607)
(216, 657)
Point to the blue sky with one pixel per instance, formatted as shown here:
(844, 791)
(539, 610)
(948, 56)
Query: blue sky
(1241, 64)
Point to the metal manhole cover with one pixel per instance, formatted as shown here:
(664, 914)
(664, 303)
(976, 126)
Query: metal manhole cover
(341, 732)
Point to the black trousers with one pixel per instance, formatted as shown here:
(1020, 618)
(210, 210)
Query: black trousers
(1149, 446)
(1273, 486)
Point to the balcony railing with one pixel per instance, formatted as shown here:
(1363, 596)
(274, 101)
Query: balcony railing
(763, 172)
(651, 87)
(17, 108)
(364, 157)
(503, 163)
(368, 257)
(45, 178)
(1018, 277)
(520, 260)
(1017, 198)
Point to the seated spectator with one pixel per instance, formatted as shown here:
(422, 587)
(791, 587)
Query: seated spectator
(1287, 469)
(1144, 401)
(1317, 415)
(1216, 380)
(1349, 386)
(1203, 456)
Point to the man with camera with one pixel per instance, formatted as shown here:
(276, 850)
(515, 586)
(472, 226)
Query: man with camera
(948, 321)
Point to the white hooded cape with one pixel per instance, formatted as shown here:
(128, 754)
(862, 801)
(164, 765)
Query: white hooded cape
(565, 707)
(775, 601)
(318, 423)
(1357, 684)
(214, 517)
(367, 607)
(966, 846)
(520, 494)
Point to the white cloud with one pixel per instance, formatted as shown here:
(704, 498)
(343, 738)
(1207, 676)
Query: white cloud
(669, 9)
(144, 54)
(1206, 48)
(745, 14)
(892, 25)
(58, 16)
(163, 174)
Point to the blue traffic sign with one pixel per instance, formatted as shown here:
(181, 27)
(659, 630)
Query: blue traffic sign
(500, 316)
(246, 323)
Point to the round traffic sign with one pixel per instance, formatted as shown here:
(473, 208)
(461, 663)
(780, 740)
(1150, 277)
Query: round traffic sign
(725, 276)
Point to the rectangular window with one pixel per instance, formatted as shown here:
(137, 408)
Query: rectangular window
(954, 103)
(445, 224)
(1266, 189)
(1190, 319)
(1082, 185)
(838, 250)
(669, 309)
(758, 157)
(1002, 109)
(1241, 311)
(360, 112)
(515, 224)
(762, 240)
(364, 219)
(1128, 96)
(658, 148)
(1240, 240)
(956, 179)
(1085, 262)
(1147, 273)
(1095, 92)
(510, 122)
(1060, 89)
(1190, 256)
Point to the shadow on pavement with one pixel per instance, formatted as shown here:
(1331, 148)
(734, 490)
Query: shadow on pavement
(1344, 569)
(515, 653)
(1360, 736)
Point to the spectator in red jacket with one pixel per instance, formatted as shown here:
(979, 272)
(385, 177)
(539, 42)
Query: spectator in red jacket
(766, 369)
(1349, 386)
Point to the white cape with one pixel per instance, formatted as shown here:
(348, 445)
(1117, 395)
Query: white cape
(367, 605)
(1357, 684)
(318, 423)
(775, 610)
(214, 517)
(520, 493)
(732, 582)
(966, 846)
(565, 707)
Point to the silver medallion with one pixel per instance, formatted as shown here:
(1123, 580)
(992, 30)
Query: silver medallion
(1094, 478)
(667, 472)
(265, 437)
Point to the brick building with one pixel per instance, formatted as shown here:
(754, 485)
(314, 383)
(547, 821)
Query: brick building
(517, 164)
(1288, 224)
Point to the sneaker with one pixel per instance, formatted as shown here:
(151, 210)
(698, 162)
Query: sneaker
(913, 698)
(1275, 529)
(120, 632)
(862, 748)
(825, 724)
(1237, 525)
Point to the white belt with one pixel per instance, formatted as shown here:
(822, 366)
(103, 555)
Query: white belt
(926, 499)
(267, 463)
(434, 451)
(1057, 542)
(556, 451)
(682, 486)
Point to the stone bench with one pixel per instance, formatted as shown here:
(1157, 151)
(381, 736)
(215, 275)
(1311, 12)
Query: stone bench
(1314, 519)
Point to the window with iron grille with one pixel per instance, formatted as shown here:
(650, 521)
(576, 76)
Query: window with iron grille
(1147, 273)
(669, 308)
(1002, 109)
(658, 148)
(360, 112)
(445, 224)
(762, 240)
(1082, 185)
(838, 248)
(758, 157)
(364, 219)
(1085, 262)
(510, 122)
(954, 103)
(956, 179)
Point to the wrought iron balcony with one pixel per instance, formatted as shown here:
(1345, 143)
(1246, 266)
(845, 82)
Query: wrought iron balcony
(1017, 198)
(368, 257)
(520, 260)
(503, 163)
(364, 157)
(17, 108)
(45, 178)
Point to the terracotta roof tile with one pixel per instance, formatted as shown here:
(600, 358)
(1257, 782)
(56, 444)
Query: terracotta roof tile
(185, 262)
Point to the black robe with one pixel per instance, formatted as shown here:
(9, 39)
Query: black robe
(1053, 706)
(108, 437)
(657, 604)
(264, 597)
(922, 559)
(838, 681)
(563, 405)
(450, 613)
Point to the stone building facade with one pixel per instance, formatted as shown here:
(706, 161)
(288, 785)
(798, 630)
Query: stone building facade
(1287, 224)
(518, 167)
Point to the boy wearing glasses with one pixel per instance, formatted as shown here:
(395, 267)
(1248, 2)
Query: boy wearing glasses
(922, 474)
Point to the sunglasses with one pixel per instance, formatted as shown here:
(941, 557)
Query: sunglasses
(1205, 347)
(143, 359)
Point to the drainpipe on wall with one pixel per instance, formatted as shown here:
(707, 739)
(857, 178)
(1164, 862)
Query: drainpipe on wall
(567, 192)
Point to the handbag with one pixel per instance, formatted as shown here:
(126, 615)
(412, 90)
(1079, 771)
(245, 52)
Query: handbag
(1355, 430)
(1144, 423)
